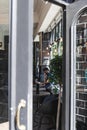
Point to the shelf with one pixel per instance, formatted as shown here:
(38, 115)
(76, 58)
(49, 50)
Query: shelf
(80, 115)
(81, 31)
(4, 88)
(80, 69)
(81, 77)
(80, 44)
(81, 62)
(81, 90)
(81, 39)
(3, 103)
(46, 41)
(82, 85)
(82, 54)
(83, 23)
(3, 118)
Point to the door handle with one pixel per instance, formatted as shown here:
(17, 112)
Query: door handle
(22, 104)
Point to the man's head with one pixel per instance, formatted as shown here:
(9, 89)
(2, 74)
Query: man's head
(45, 70)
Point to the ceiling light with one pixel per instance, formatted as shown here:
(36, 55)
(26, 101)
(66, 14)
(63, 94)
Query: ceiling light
(55, 50)
(48, 53)
(50, 45)
(45, 1)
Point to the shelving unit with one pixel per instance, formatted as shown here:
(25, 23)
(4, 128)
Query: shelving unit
(81, 68)
(81, 54)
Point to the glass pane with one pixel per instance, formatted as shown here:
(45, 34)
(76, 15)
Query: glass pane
(81, 71)
(4, 42)
(57, 32)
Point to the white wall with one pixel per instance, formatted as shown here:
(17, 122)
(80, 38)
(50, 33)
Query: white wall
(4, 30)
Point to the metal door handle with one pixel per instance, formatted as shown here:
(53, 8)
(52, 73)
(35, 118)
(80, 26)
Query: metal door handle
(22, 104)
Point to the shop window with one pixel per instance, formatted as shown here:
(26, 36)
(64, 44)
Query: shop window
(81, 69)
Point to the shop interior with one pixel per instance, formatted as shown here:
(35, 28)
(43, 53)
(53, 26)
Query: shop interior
(48, 53)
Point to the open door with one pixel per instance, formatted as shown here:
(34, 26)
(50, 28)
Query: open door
(20, 64)
(75, 67)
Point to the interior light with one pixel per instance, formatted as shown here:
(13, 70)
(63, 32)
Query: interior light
(47, 48)
(48, 53)
(55, 50)
(45, 1)
(50, 46)
(61, 39)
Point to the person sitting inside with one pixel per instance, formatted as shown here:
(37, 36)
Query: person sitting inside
(38, 82)
(48, 79)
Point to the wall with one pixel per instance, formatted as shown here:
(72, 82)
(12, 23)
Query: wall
(4, 30)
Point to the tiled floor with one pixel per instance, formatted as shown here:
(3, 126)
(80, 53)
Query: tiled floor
(4, 126)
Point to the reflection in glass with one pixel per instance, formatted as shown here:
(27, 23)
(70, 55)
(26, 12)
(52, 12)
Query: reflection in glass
(4, 41)
(81, 70)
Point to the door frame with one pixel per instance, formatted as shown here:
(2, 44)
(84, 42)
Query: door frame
(20, 62)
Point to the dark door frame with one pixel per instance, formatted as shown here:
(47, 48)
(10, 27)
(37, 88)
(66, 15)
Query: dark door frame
(20, 64)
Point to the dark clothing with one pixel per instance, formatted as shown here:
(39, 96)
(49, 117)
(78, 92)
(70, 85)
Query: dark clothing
(48, 84)
(50, 80)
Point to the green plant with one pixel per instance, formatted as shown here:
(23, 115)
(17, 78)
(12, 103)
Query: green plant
(56, 68)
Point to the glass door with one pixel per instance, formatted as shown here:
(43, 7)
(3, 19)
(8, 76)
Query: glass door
(80, 71)
(16, 36)
(76, 62)
(4, 47)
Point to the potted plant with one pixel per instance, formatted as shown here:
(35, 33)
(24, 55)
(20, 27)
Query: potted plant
(56, 69)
